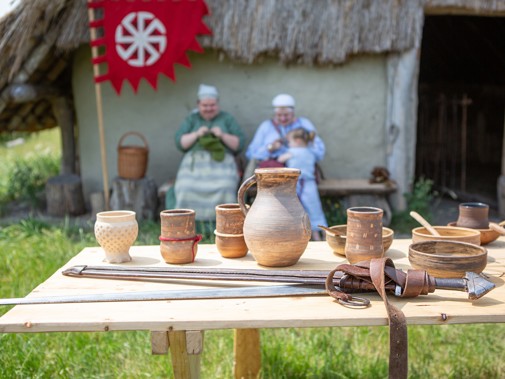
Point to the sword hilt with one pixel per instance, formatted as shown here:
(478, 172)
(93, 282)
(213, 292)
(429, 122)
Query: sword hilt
(476, 285)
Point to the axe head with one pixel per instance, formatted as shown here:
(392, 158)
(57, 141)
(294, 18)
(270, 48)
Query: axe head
(477, 285)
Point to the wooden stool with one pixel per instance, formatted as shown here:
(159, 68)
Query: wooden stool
(64, 195)
(140, 196)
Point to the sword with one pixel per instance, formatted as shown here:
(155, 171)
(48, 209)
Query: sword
(309, 283)
(474, 284)
(186, 294)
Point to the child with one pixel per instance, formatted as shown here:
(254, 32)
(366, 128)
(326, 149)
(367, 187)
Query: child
(300, 155)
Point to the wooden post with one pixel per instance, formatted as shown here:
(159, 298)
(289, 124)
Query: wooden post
(501, 180)
(185, 349)
(65, 116)
(99, 111)
(465, 102)
(247, 353)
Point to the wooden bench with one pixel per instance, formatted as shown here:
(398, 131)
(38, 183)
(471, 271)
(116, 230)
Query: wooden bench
(355, 192)
(360, 192)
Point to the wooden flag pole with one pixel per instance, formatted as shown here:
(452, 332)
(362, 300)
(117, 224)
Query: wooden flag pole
(99, 111)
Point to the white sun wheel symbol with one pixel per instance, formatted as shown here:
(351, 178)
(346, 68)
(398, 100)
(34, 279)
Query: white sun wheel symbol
(140, 39)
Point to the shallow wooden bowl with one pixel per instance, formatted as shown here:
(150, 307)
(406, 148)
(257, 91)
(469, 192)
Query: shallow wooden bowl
(337, 242)
(447, 259)
(486, 235)
(447, 233)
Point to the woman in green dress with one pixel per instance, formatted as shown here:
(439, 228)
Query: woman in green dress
(208, 174)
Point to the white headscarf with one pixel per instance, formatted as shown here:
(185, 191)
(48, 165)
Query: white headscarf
(206, 92)
(283, 100)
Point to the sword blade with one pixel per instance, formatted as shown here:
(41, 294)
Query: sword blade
(187, 294)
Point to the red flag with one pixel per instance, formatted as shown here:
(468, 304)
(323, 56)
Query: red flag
(145, 38)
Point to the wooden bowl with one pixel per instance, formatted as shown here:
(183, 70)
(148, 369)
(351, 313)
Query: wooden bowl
(447, 259)
(447, 233)
(337, 241)
(486, 235)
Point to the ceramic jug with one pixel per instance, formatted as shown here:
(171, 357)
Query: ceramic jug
(276, 226)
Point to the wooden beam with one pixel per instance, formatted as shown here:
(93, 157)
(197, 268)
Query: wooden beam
(435, 10)
(21, 93)
(159, 343)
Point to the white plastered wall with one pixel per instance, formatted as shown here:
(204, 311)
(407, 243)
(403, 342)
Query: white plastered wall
(346, 103)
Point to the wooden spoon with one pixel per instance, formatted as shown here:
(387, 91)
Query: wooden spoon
(420, 219)
(497, 228)
(332, 231)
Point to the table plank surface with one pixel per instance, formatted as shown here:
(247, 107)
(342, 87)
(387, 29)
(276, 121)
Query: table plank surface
(308, 311)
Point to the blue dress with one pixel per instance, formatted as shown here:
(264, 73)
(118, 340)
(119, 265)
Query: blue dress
(304, 159)
(267, 133)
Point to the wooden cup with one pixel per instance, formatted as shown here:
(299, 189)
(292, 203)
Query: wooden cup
(364, 234)
(178, 239)
(230, 231)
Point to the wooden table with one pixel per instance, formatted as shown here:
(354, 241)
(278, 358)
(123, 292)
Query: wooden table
(179, 324)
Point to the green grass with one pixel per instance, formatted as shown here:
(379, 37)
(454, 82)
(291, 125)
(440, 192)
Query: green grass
(35, 144)
(26, 167)
(31, 250)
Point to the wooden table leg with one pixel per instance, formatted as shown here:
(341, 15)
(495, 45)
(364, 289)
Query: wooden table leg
(247, 351)
(185, 349)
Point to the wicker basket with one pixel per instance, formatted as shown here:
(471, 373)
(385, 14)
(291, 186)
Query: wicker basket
(132, 160)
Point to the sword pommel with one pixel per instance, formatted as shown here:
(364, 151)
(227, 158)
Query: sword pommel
(477, 286)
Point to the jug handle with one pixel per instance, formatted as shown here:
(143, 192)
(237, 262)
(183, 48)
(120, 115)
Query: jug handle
(242, 191)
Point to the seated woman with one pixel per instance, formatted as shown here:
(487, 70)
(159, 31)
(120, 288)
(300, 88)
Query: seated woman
(207, 175)
(300, 156)
(269, 141)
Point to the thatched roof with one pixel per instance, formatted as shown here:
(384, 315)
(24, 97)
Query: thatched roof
(38, 37)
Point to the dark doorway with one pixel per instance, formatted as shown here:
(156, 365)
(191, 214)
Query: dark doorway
(462, 105)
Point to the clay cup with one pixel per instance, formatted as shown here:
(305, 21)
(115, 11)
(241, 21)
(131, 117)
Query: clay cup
(116, 231)
(364, 234)
(230, 231)
(473, 216)
(178, 239)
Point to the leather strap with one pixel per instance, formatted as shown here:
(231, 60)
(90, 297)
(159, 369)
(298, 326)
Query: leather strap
(384, 277)
(398, 337)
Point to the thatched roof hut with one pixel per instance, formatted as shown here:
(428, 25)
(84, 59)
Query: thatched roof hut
(38, 37)
(41, 41)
